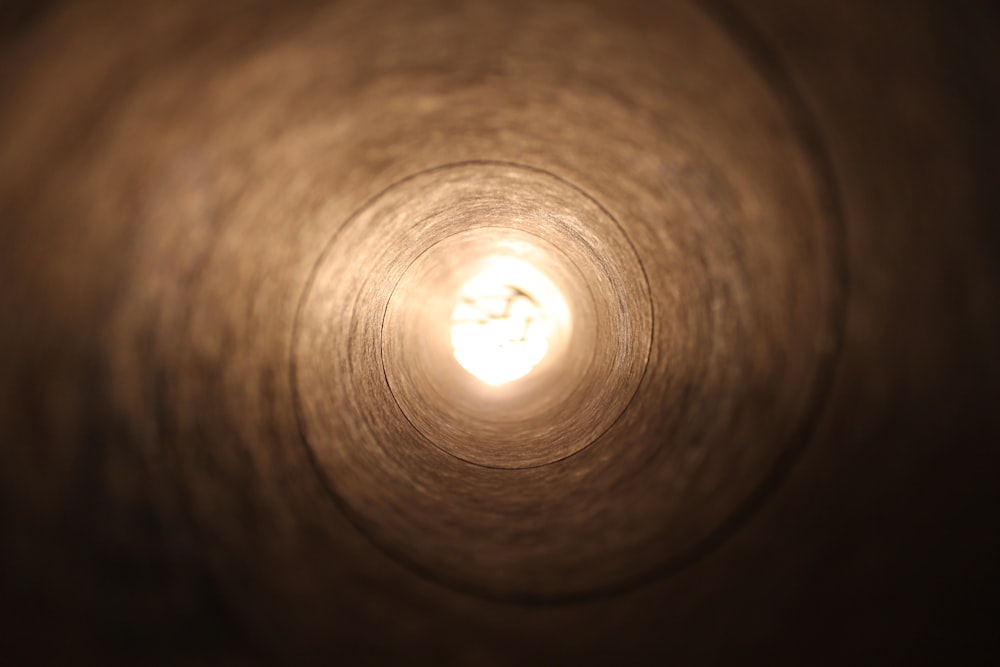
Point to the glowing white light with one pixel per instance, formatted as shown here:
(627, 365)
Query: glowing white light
(499, 333)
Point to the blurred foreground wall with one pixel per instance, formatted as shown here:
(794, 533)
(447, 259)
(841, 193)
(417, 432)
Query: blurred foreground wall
(221, 440)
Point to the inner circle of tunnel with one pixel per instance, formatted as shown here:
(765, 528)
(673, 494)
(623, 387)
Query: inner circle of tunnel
(635, 272)
(550, 249)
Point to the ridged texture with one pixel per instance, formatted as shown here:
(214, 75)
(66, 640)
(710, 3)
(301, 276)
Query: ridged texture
(232, 428)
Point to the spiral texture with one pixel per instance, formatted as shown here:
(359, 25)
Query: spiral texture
(233, 239)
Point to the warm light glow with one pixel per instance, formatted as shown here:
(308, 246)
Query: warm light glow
(499, 332)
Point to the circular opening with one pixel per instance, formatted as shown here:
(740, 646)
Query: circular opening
(384, 302)
(503, 319)
(488, 336)
(419, 449)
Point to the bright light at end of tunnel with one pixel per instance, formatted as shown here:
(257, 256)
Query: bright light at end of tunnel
(499, 332)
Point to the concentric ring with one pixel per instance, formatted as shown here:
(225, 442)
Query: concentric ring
(503, 210)
(635, 458)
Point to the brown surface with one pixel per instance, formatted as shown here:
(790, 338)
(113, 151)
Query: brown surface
(779, 445)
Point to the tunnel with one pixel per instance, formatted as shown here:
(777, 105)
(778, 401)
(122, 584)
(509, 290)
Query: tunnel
(488, 332)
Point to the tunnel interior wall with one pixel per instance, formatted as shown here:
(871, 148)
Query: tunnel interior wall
(779, 442)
